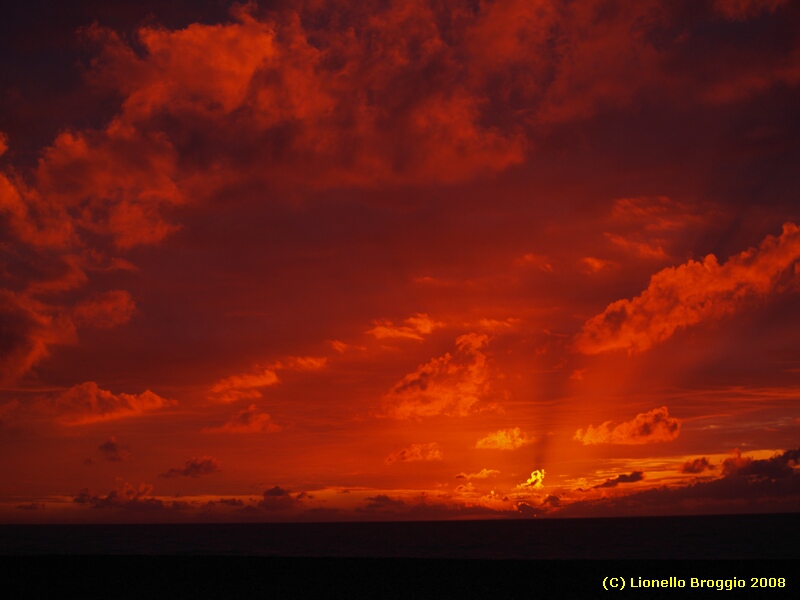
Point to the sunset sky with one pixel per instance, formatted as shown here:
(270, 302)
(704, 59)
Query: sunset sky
(399, 259)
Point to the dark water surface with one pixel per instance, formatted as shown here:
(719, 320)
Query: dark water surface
(743, 537)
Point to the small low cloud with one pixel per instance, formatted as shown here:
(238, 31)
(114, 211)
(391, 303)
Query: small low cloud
(698, 465)
(653, 426)
(114, 451)
(125, 496)
(482, 474)
(504, 439)
(278, 498)
(249, 420)
(194, 467)
(382, 503)
(416, 452)
(30, 506)
(614, 482)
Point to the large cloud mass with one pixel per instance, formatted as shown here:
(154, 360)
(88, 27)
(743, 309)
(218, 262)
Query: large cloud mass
(678, 297)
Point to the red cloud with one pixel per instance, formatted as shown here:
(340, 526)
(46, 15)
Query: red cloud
(249, 420)
(449, 385)
(87, 403)
(416, 452)
(653, 426)
(678, 297)
(29, 327)
(414, 328)
(741, 10)
(244, 386)
(105, 310)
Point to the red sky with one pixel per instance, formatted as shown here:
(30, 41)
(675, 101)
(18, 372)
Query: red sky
(399, 259)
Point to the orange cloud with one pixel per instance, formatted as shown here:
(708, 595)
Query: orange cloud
(535, 481)
(249, 420)
(87, 403)
(416, 452)
(448, 385)
(594, 265)
(505, 439)
(653, 426)
(415, 328)
(244, 386)
(678, 297)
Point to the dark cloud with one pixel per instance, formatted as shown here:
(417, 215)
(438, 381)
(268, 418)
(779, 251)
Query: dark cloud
(31, 506)
(114, 451)
(632, 478)
(278, 498)
(756, 485)
(382, 502)
(698, 465)
(194, 467)
(125, 497)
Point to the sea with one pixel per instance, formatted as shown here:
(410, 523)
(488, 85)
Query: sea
(652, 556)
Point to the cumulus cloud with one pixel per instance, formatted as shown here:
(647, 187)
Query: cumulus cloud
(249, 420)
(482, 474)
(194, 467)
(653, 426)
(697, 465)
(448, 385)
(415, 327)
(615, 481)
(504, 439)
(113, 450)
(87, 403)
(126, 497)
(416, 452)
(678, 297)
